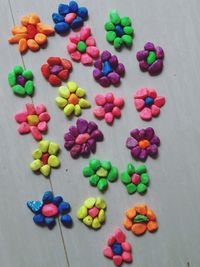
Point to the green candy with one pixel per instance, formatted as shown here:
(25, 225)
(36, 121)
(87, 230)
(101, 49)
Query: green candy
(130, 169)
(141, 188)
(18, 89)
(109, 26)
(125, 21)
(12, 79)
(110, 36)
(106, 165)
(27, 74)
(102, 184)
(144, 178)
(29, 87)
(131, 188)
(141, 169)
(140, 218)
(18, 70)
(128, 30)
(113, 174)
(94, 180)
(118, 42)
(127, 39)
(114, 17)
(95, 164)
(102, 172)
(81, 46)
(125, 178)
(87, 171)
(151, 57)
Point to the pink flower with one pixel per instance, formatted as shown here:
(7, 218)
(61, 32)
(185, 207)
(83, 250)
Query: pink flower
(83, 47)
(33, 120)
(118, 248)
(148, 103)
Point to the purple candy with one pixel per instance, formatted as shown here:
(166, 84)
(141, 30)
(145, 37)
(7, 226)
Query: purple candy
(135, 134)
(91, 126)
(75, 151)
(120, 69)
(135, 151)
(159, 52)
(92, 144)
(149, 133)
(69, 144)
(104, 81)
(82, 125)
(143, 65)
(55, 69)
(142, 134)
(73, 130)
(152, 150)
(108, 107)
(97, 135)
(114, 78)
(21, 80)
(69, 137)
(155, 140)
(141, 55)
(105, 55)
(98, 64)
(97, 74)
(85, 150)
(143, 155)
(131, 142)
(149, 46)
(156, 67)
(113, 61)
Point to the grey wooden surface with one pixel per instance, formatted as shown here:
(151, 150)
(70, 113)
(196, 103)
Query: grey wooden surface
(174, 189)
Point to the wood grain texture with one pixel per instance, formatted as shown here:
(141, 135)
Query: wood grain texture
(174, 189)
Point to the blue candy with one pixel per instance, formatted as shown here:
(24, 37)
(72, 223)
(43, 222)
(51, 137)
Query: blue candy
(34, 206)
(119, 30)
(57, 18)
(82, 12)
(148, 101)
(66, 220)
(62, 27)
(106, 68)
(50, 221)
(63, 9)
(73, 6)
(47, 197)
(38, 219)
(117, 248)
(77, 22)
(64, 207)
(57, 200)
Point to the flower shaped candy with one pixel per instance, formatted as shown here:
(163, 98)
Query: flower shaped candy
(31, 35)
(81, 139)
(56, 70)
(71, 99)
(143, 143)
(45, 157)
(151, 59)
(100, 173)
(139, 219)
(92, 212)
(33, 120)
(83, 47)
(119, 30)
(47, 210)
(148, 103)
(135, 179)
(21, 81)
(108, 70)
(69, 16)
(109, 107)
(118, 249)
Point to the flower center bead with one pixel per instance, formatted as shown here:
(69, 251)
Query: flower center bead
(45, 158)
(151, 57)
(81, 46)
(21, 80)
(31, 31)
(148, 101)
(106, 68)
(82, 138)
(144, 143)
(93, 212)
(73, 99)
(33, 120)
(119, 30)
(117, 248)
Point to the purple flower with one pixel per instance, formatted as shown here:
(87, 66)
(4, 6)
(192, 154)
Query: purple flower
(143, 143)
(81, 139)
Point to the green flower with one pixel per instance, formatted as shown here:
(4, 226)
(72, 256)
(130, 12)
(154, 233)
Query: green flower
(100, 173)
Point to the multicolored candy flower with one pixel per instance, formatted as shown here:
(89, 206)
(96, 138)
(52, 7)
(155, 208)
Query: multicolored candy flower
(143, 143)
(92, 212)
(151, 59)
(81, 139)
(31, 35)
(108, 70)
(45, 157)
(21, 81)
(148, 103)
(69, 16)
(83, 47)
(47, 210)
(119, 30)
(118, 249)
(71, 99)
(139, 219)
(33, 120)
(100, 172)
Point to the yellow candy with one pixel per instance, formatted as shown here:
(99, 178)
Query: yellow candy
(77, 110)
(33, 119)
(96, 224)
(101, 216)
(80, 92)
(61, 102)
(82, 212)
(36, 165)
(88, 220)
(53, 148)
(100, 203)
(72, 86)
(84, 103)
(37, 154)
(44, 145)
(53, 161)
(89, 202)
(69, 109)
(45, 170)
(64, 91)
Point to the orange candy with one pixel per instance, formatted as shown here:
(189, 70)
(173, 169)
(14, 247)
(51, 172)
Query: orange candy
(139, 228)
(23, 45)
(131, 213)
(45, 28)
(40, 38)
(127, 224)
(73, 99)
(141, 209)
(16, 38)
(152, 226)
(33, 45)
(144, 144)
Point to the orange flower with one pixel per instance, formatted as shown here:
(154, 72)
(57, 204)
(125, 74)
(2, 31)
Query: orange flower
(31, 34)
(139, 219)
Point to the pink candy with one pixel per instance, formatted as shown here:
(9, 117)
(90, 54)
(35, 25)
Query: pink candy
(135, 178)
(93, 212)
(49, 210)
(70, 17)
(82, 138)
